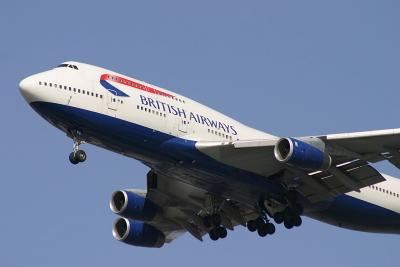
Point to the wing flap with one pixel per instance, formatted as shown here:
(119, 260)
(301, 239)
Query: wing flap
(343, 178)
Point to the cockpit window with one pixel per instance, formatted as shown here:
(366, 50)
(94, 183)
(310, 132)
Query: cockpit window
(67, 66)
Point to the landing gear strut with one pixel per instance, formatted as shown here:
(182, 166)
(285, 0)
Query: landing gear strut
(77, 155)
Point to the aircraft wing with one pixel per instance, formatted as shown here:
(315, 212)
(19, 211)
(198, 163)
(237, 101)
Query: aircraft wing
(350, 170)
(372, 146)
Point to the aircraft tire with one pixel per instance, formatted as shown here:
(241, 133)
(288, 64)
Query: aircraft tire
(73, 159)
(252, 225)
(297, 221)
(80, 156)
(262, 230)
(213, 235)
(222, 232)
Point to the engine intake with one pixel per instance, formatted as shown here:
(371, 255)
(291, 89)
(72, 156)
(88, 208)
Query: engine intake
(130, 205)
(308, 155)
(137, 233)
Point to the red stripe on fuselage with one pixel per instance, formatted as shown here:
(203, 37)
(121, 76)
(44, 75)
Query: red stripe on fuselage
(120, 80)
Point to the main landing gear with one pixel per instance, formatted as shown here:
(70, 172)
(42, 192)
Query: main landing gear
(262, 226)
(77, 155)
(290, 217)
(217, 230)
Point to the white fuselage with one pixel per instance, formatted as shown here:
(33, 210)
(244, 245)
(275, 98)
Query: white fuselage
(100, 91)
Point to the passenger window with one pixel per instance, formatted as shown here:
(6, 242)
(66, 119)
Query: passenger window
(92, 94)
(40, 83)
(83, 91)
(65, 88)
(74, 89)
(79, 90)
(50, 84)
(97, 95)
(101, 96)
(45, 84)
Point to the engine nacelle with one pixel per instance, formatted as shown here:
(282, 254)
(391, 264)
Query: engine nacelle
(308, 155)
(137, 233)
(133, 206)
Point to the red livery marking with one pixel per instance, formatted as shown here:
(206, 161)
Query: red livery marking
(120, 80)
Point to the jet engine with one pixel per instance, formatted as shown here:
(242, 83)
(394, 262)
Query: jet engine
(133, 206)
(137, 233)
(307, 154)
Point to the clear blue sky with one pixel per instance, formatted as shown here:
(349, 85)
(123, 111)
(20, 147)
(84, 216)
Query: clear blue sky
(288, 67)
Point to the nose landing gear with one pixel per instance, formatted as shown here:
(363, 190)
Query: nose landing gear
(77, 155)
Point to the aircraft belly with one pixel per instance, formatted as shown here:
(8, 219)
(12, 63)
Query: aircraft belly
(348, 212)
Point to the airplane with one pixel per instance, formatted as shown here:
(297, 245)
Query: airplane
(209, 173)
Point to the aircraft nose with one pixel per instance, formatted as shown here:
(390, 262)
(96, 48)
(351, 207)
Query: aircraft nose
(26, 87)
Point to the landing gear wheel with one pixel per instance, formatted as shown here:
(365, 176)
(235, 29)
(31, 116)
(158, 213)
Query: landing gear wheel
(279, 217)
(297, 221)
(270, 228)
(262, 230)
(80, 156)
(259, 222)
(73, 159)
(252, 225)
(222, 233)
(288, 224)
(214, 235)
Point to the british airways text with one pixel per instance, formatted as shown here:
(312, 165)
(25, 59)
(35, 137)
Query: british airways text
(162, 106)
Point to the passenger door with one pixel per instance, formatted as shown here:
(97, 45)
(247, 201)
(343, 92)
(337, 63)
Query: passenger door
(181, 126)
(112, 104)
